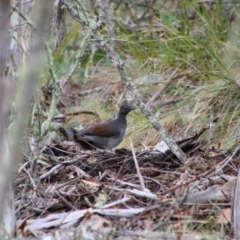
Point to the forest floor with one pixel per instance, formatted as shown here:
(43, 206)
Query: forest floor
(104, 194)
(187, 75)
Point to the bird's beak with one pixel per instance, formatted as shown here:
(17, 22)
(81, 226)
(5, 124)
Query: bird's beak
(132, 107)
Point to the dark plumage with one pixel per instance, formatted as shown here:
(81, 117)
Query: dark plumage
(106, 134)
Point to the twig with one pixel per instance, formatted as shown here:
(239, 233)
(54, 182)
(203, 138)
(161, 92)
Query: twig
(60, 24)
(158, 94)
(66, 163)
(55, 92)
(210, 132)
(28, 21)
(65, 201)
(235, 206)
(137, 167)
(31, 179)
(86, 44)
(120, 201)
(110, 24)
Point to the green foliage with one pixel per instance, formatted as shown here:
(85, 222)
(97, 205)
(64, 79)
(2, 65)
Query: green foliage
(185, 42)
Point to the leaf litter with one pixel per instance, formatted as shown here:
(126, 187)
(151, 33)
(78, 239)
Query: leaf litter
(76, 188)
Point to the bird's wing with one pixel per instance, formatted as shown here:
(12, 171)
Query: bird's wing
(105, 129)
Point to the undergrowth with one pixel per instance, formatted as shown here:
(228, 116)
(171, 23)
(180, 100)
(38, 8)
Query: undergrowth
(185, 42)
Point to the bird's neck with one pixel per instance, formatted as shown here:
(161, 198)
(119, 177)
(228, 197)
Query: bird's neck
(121, 117)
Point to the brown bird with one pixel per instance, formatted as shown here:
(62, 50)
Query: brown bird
(106, 134)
